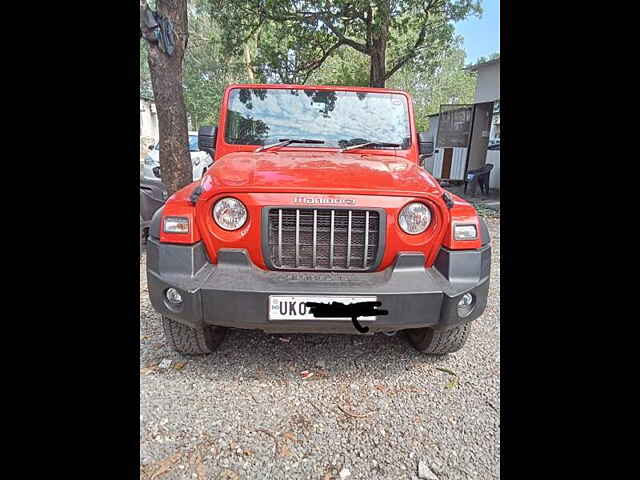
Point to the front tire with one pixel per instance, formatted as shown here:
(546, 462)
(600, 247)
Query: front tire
(439, 342)
(192, 341)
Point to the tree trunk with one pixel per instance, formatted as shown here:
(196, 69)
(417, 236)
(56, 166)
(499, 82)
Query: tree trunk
(378, 53)
(166, 79)
(378, 70)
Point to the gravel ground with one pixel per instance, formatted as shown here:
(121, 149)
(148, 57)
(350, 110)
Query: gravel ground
(245, 412)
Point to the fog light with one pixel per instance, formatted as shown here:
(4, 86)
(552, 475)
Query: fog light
(173, 296)
(465, 305)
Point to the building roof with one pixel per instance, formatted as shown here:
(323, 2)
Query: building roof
(475, 68)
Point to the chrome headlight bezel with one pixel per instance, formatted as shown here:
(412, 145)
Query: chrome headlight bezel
(230, 224)
(408, 221)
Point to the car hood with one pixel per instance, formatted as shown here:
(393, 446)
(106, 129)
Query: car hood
(295, 171)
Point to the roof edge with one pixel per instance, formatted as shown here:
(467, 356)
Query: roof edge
(474, 68)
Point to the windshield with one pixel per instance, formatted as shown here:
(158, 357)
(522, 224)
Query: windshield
(340, 119)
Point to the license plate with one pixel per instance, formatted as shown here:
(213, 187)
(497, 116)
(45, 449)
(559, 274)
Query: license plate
(282, 307)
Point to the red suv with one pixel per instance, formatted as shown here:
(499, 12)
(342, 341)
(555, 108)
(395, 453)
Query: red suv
(316, 217)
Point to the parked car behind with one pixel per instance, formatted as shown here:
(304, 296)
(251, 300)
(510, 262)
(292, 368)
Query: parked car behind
(200, 161)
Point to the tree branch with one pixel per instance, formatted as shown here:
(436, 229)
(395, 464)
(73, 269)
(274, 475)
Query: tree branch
(434, 7)
(347, 41)
(318, 63)
(312, 18)
(253, 31)
(412, 51)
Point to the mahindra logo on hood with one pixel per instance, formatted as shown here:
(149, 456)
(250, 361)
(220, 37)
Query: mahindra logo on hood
(324, 201)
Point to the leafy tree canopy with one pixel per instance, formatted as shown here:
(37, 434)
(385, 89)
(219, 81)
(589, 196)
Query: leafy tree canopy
(295, 37)
(435, 75)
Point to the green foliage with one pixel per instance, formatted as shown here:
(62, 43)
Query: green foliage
(493, 56)
(220, 52)
(146, 91)
(346, 67)
(442, 80)
(295, 37)
(207, 69)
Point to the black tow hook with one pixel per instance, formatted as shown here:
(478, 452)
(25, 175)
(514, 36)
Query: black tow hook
(353, 311)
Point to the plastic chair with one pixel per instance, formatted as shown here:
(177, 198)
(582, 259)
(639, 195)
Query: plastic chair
(479, 176)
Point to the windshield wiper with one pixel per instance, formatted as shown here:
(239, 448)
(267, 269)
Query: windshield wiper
(286, 141)
(362, 145)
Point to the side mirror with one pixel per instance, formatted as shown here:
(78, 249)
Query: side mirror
(425, 147)
(151, 146)
(207, 139)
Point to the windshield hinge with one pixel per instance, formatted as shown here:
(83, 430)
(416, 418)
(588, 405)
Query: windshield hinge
(447, 199)
(195, 195)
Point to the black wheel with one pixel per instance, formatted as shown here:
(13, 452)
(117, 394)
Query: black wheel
(439, 342)
(192, 341)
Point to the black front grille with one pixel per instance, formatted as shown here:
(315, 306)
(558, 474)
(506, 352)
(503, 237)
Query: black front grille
(323, 239)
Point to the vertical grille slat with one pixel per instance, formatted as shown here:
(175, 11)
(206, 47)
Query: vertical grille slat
(297, 238)
(332, 230)
(349, 241)
(315, 236)
(366, 241)
(280, 236)
(322, 239)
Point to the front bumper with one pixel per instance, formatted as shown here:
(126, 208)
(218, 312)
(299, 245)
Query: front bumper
(235, 293)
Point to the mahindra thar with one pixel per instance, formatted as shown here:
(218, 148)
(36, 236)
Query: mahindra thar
(316, 217)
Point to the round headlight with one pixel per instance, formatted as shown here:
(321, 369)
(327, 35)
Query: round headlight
(229, 213)
(415, 218)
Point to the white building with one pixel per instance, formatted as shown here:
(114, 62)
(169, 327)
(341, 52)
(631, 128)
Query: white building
(467, 137)
(488, 91)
